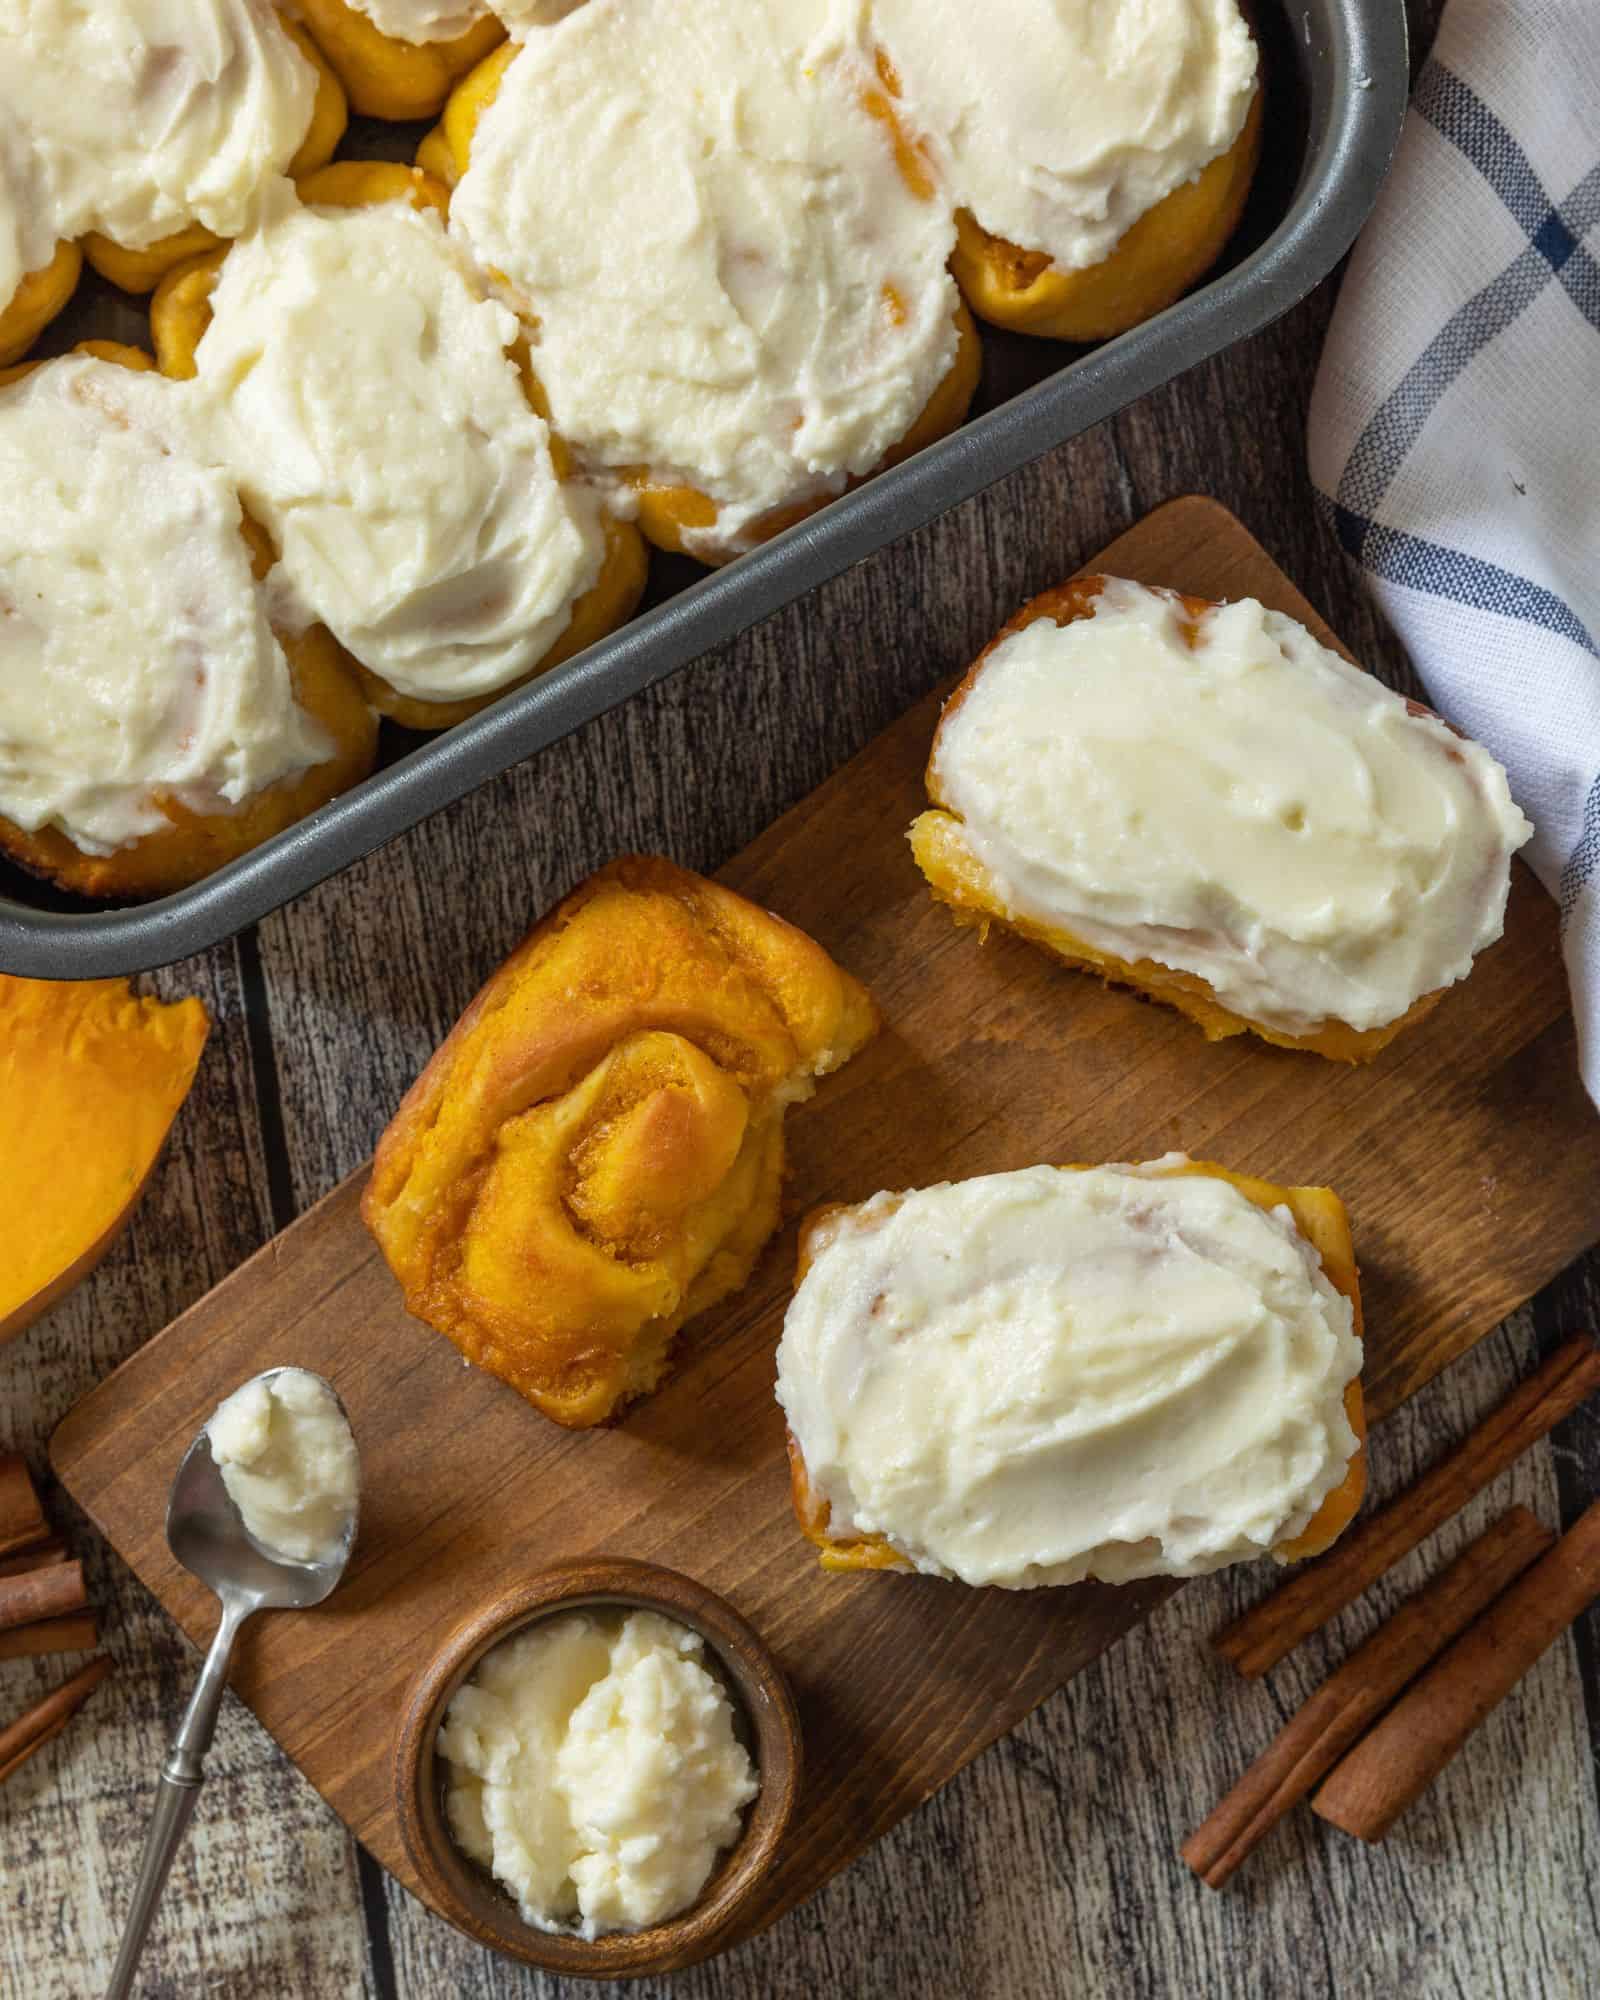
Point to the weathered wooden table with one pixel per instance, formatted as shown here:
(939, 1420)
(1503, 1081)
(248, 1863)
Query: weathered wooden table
(1049, 1867)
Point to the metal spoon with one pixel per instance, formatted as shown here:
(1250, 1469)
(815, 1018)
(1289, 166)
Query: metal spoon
(206, 1534)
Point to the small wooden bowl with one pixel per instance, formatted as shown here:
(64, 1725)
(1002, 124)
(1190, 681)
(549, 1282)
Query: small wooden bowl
(476, 1904)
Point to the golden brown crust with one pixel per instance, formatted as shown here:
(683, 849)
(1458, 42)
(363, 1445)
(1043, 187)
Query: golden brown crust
(959, 880)
(386, 77)
(447, 149)
(1168, 249)
(36, 301)
(102, 350)
(180, 313)
(141, 270)
(594, 1153)
(193, 844)
(370, 183)
(1320, 1217)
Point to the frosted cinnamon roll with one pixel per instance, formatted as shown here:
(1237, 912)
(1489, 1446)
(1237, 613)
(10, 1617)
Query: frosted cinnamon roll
(594, 1154)
(1098, 152)
(153, 723)
(749, 306)
(1205, 803)
(148, 132)
(376, 411)
(1039, 1377)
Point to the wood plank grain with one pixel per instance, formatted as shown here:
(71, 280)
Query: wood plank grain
(991, 1057)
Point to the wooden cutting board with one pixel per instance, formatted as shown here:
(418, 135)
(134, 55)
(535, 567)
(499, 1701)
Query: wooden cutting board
(1468, 1156)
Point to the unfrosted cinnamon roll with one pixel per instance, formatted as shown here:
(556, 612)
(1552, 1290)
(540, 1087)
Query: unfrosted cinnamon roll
(594, 1153)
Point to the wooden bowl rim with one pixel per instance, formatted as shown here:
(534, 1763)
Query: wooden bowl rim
(463, 1894)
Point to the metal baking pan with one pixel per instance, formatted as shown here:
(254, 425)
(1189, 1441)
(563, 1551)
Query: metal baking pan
(1336, 75)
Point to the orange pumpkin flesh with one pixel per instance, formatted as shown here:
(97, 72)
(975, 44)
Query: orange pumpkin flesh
(91, 1078)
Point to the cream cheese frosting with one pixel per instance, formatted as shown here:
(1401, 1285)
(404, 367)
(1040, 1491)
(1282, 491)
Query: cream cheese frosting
(138, 117)
(423, 20)
(136, 656)
(594, 1768)
(751, 298)
(365, 402)
(26, 240)
(1061, 122)
(519, 14)
(1232, 800)
(289, 1463)
(1035, 1377)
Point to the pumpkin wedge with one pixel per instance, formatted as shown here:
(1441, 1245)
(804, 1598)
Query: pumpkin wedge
(91, 1078)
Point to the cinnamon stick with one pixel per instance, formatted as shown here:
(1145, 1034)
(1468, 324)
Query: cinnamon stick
(34, 1730)
(41, 1593)
(1320, 1590)
(1392, 1767)
(40, 1556)
(1314, 1739)
(49, 1635)
(22, 1520)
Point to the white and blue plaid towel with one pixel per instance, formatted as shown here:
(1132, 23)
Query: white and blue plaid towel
(1455, 428)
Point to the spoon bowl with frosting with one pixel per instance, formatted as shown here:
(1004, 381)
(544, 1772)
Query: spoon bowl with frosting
(264, 1511)
(286, 1456)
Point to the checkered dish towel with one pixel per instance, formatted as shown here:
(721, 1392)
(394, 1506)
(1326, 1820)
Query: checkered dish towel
(1455, 427)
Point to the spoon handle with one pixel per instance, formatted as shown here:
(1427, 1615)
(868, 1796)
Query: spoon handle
(176, 1798)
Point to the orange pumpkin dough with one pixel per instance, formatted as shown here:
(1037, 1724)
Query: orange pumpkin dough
(594, 1154)
(385, 77)
(1320, 1217)
(103, 350)
(1169, 248)
(193, 844)
(37, 300)
(180, 312)
(682, 519)
(141, 270)
(91, 1079)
